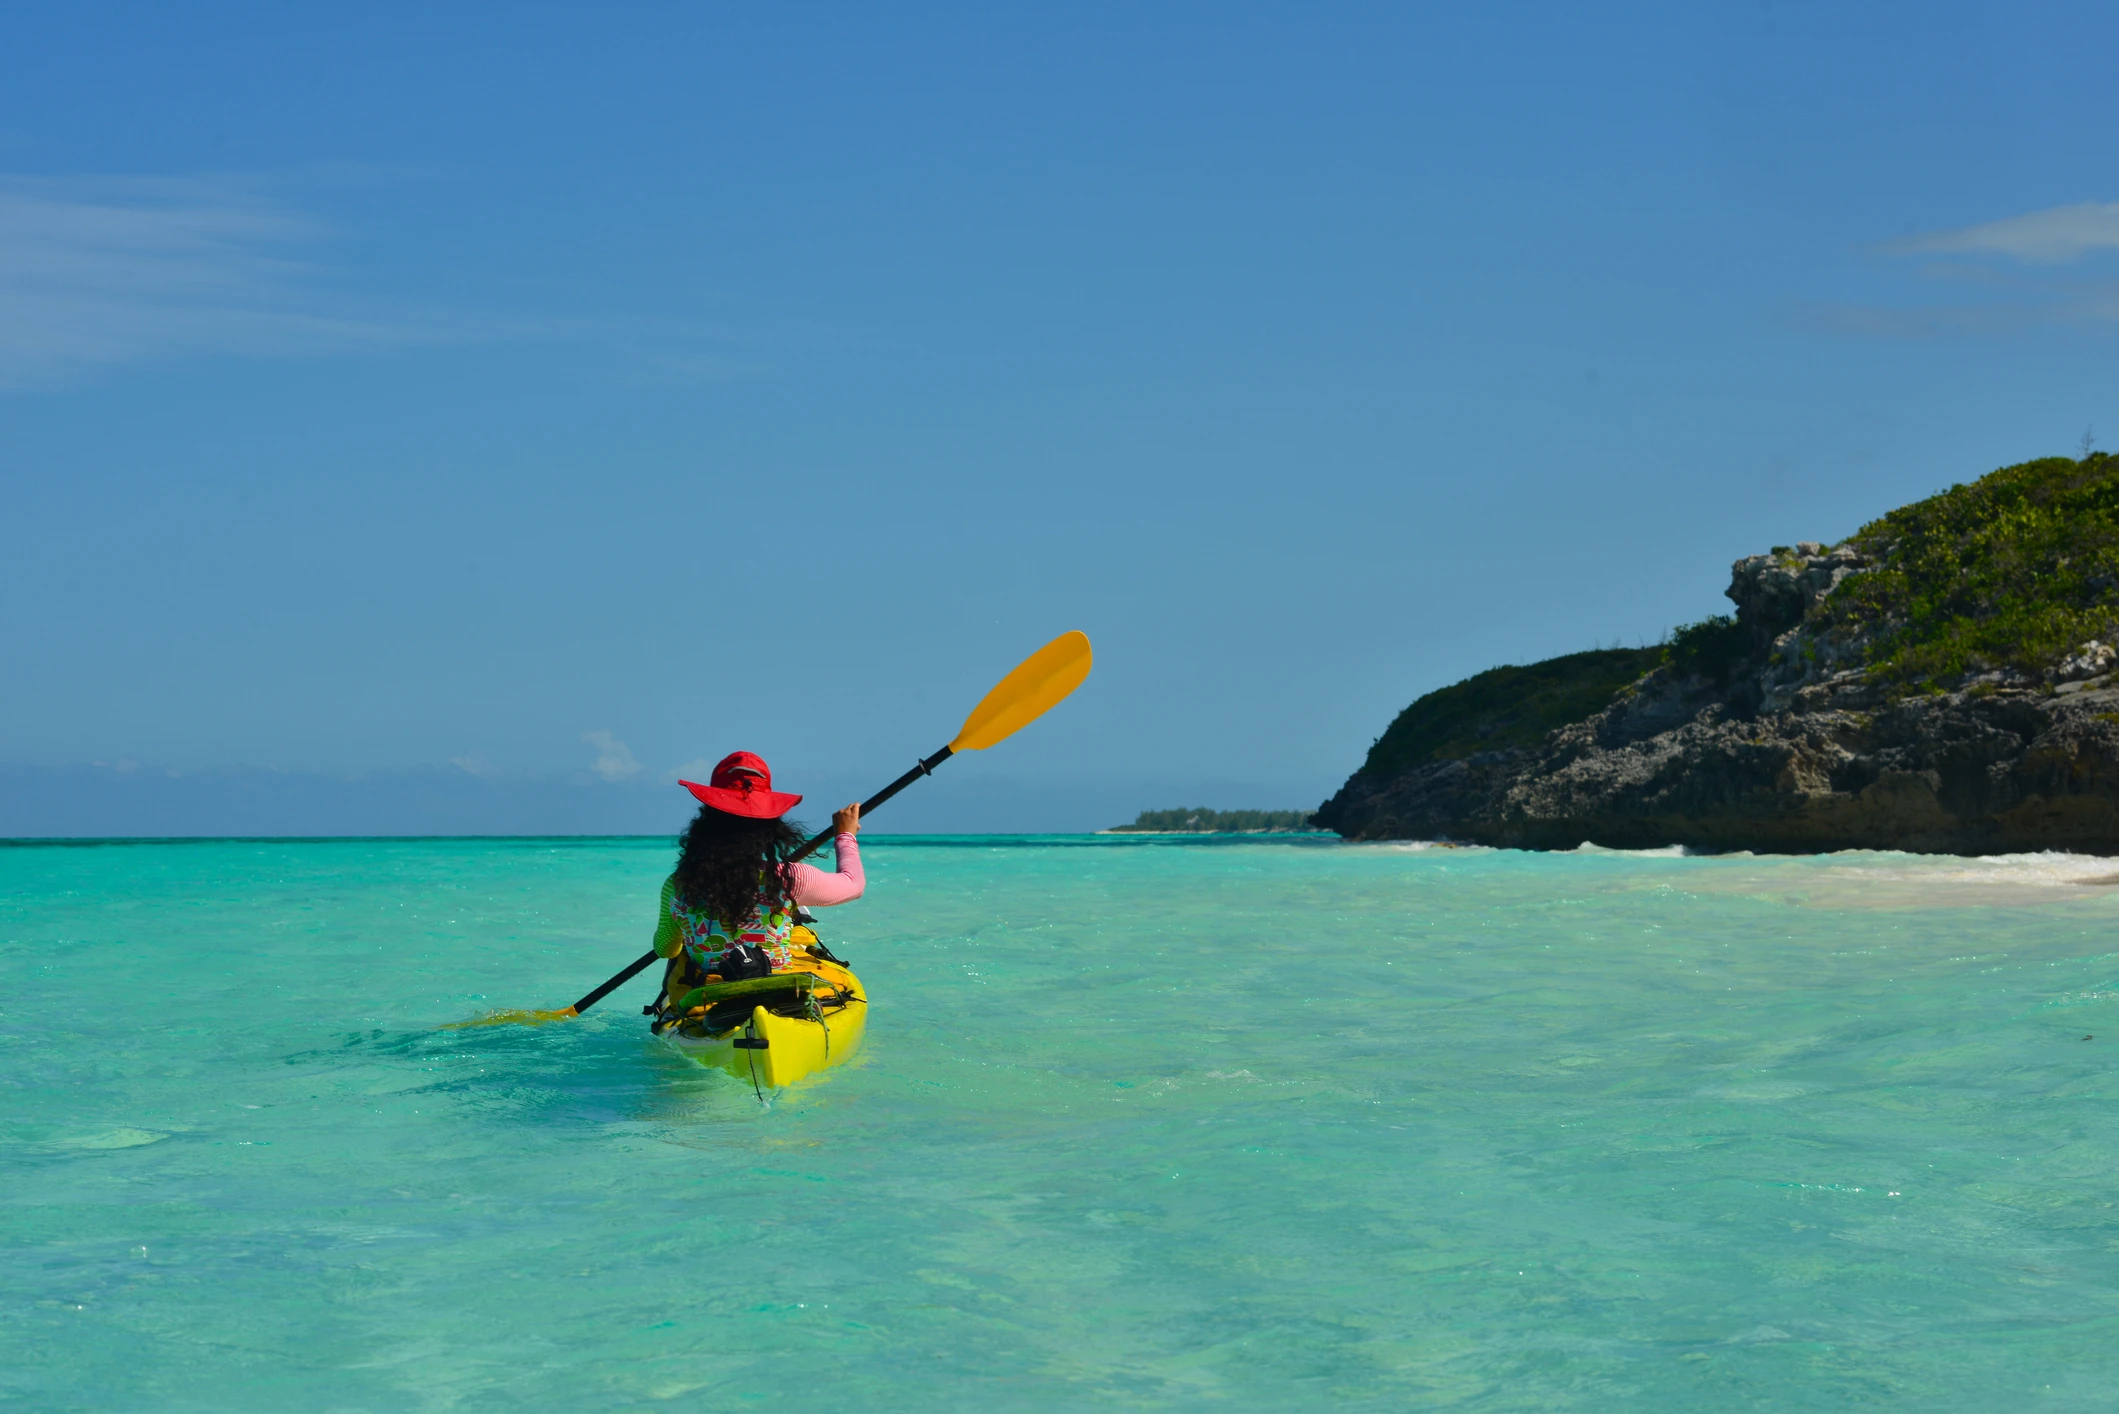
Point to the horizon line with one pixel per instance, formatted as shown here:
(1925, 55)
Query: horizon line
(91, 841)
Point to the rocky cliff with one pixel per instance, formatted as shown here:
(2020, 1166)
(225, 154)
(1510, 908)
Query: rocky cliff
(1942, 681)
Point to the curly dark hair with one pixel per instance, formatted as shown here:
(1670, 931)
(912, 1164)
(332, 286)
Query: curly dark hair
(726, 861)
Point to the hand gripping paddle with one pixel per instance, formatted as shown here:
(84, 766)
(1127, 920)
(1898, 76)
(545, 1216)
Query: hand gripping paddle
(1036, 686)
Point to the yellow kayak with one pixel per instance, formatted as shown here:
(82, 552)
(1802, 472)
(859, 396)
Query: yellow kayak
(774, 1030)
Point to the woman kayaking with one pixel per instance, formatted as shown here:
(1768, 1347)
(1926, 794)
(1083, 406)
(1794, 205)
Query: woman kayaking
(728, 908)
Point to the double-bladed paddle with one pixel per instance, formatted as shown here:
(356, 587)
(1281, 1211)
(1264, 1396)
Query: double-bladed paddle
(1033, 689)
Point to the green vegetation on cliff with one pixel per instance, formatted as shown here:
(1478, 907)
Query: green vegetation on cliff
(1506, 707)
(2015, 570)
(1713, 648)
(1209, 822)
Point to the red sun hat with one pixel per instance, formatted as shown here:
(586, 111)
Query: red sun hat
(743, 785)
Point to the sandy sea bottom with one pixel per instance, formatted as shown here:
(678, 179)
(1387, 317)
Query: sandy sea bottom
(1139, 1123)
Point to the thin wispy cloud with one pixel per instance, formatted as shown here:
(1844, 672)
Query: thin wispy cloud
(476, 766)
(614, 759)
(108, 272)
(2049, 237)
(98, 273)
(2012, 299)
(1929, 321)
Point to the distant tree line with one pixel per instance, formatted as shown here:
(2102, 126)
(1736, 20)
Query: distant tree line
(1209, 822)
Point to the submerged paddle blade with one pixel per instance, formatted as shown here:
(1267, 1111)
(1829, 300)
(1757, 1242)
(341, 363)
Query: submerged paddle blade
(514, 1018)
(1028, 693)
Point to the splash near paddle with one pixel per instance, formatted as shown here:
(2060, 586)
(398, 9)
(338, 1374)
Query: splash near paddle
(1038, 684)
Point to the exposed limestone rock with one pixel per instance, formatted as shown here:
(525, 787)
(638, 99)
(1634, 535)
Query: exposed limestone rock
(1801, 750)
(1968, 773)
(2092, 659)
(1776, 595)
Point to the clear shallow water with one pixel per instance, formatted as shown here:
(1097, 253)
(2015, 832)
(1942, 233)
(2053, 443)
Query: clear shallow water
(1138, 1123)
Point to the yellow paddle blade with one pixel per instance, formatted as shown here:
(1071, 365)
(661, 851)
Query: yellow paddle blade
(1028, 693)
(513, 1018)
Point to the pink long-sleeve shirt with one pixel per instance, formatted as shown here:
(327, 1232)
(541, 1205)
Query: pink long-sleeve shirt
(814, 888)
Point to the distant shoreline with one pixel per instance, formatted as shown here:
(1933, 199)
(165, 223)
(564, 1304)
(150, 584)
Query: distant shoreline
(1137, 830)
(1200, 820)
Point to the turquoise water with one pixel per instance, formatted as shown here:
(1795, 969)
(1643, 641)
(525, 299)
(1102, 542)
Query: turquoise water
(1138, 1123)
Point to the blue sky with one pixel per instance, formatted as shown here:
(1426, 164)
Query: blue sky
(506, 407)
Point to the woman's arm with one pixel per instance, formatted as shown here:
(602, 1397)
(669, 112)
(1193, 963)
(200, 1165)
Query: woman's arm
(813, 888)
(669, 941)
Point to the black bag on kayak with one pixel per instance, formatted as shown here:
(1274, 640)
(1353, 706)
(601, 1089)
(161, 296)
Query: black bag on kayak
(741, 963)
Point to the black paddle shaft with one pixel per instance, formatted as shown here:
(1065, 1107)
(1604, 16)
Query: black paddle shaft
(924, 768)
(639, 964)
